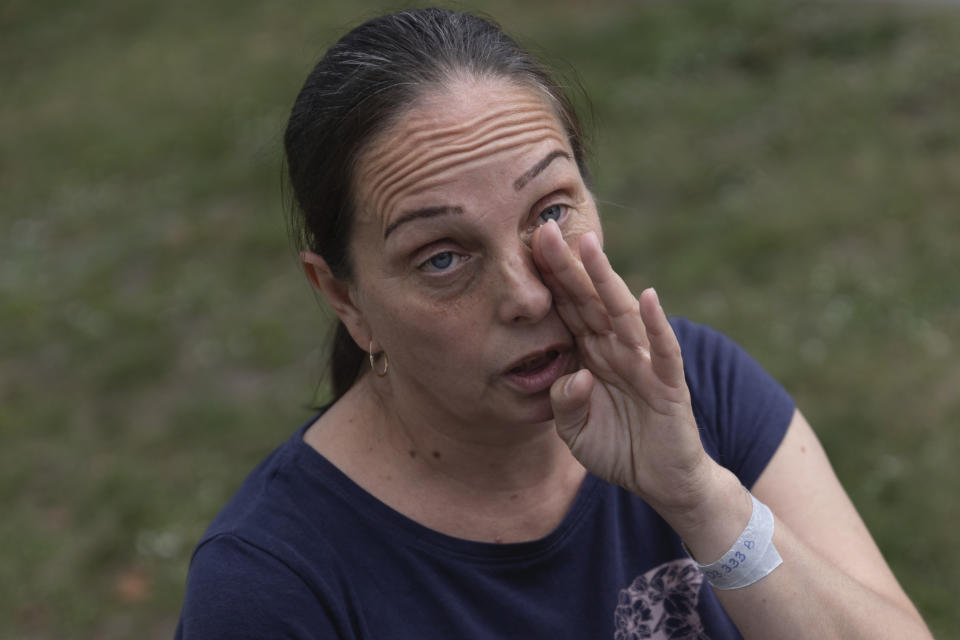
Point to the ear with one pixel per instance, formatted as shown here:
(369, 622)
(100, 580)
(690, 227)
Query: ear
(338, 295)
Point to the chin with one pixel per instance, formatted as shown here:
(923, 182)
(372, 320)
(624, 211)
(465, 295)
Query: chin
(536, 410)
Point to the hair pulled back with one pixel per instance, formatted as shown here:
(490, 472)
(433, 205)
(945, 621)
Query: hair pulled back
(362, 85)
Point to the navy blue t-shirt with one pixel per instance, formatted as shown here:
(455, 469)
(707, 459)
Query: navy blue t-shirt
(301, 551)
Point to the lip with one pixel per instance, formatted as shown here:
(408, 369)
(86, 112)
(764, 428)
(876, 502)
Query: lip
(543, 376)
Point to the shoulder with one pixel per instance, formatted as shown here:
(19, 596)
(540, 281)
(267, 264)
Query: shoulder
(264, 566)
(707, 353)
(742, 411)
(269, 503)
(285, 508)
(719, 370)
(237, 589)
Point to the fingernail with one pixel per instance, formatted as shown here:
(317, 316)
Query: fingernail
(569, 383)
(656, 297)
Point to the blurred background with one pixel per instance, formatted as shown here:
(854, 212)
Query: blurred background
(788, 172)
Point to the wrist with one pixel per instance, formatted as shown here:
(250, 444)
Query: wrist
(710, 524)
(751, 558)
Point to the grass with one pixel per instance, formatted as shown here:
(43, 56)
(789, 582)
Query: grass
(784, 171)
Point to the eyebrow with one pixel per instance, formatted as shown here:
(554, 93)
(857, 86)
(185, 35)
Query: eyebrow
(536, 169)
(431, 212)
(416, 214)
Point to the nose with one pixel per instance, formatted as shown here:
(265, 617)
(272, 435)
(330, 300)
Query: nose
(523, 296)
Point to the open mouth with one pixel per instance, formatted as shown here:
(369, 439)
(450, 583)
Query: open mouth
(536, 372)
(535, 363)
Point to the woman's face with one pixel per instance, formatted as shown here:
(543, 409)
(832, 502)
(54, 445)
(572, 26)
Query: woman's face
(444, 279)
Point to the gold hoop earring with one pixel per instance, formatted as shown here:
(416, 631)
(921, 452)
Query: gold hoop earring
(373, 361)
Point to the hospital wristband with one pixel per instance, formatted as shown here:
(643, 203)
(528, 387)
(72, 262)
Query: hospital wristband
(751, 557)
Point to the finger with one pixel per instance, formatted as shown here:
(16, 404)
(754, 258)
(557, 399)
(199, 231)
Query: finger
(568, 280)
(568, 311)
(623, 309)
(574, 296)
(665, 357)
(570, 399)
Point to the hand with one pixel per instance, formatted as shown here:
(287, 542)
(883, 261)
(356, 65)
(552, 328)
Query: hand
(627, 415)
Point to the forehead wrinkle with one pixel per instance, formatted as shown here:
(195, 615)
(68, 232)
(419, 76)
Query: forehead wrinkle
(425, 160)
(433, 174)
(417, 122)
(437, 143)
(416, 136)
(415, 185)
(422, 128)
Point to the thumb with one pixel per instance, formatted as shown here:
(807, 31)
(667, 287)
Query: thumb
(570, 398)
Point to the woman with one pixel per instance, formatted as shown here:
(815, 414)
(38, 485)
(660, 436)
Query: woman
(518, 446)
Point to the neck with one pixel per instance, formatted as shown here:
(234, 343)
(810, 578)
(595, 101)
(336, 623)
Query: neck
(486, 482)
(479, 455)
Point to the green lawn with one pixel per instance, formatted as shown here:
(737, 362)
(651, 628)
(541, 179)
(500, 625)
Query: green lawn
(788, 172)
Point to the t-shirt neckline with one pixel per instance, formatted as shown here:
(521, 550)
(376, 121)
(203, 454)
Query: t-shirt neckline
(411, 532)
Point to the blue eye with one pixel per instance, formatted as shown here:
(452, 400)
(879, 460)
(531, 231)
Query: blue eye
(442, 261)
(553, 212)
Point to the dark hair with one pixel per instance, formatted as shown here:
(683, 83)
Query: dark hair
(359, 88)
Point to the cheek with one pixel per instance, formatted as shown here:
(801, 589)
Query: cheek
(428, 332)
